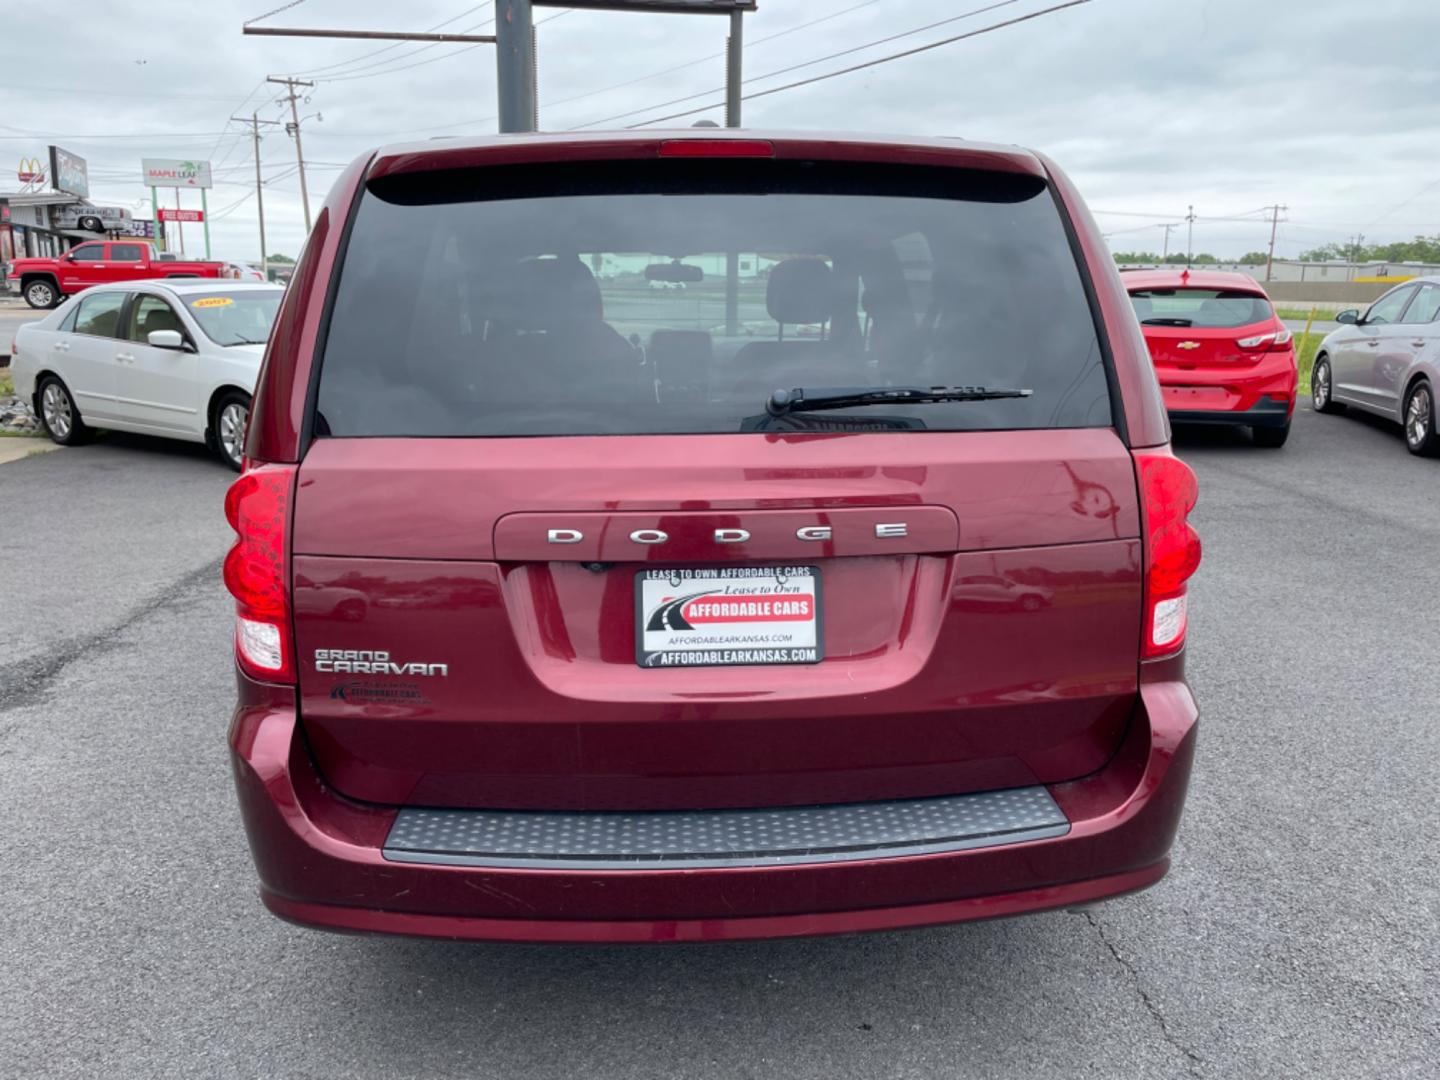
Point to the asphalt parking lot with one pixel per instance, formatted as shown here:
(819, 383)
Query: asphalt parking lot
(1296, 935)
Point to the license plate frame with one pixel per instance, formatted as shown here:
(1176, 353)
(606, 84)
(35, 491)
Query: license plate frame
(747, 616)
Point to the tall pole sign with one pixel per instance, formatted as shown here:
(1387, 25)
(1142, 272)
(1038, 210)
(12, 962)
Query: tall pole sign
(68, 173)
(179, 173)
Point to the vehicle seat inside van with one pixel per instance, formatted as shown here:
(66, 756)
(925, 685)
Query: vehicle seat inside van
(800, 292)
(553, 337)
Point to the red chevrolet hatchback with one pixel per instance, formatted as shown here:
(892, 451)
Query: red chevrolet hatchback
(1222, 354)
(665, 537)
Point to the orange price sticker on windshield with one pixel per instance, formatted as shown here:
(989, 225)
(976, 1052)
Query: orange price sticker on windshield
(212, 301)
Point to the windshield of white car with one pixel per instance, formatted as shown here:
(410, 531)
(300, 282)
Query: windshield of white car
(235, 316)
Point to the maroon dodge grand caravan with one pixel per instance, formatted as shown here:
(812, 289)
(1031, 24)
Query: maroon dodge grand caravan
(669, 537)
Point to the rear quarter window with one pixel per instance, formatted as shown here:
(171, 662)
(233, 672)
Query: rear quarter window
(675, 297)
(98, 314)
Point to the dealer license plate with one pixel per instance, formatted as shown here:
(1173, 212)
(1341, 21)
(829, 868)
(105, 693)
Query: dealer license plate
(732, 615)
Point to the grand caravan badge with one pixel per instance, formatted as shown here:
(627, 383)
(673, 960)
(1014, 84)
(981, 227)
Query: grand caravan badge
(372, 662)
(728, 616)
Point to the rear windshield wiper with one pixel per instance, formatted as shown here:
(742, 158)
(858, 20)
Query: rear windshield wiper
(844, 397)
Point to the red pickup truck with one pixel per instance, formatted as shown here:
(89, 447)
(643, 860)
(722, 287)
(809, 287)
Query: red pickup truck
(45, 282)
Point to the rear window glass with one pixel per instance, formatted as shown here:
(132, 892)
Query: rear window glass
(676, 297)
(1199, 307)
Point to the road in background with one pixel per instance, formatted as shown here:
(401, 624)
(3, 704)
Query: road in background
(14, 314)
(1294, 936)
(1320, 326)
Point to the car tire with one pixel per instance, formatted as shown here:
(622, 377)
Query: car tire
(42, 294)
(59, 415)
(227, 425)
(1322, 388)
(1271, 438)
(1419, 420)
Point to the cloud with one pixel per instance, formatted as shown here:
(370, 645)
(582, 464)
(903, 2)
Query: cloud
(1151, 105)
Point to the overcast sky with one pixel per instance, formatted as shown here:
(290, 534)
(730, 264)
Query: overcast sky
(1327, 106)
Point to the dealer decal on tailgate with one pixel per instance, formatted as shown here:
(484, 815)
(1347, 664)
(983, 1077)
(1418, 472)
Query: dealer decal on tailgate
(731, 615)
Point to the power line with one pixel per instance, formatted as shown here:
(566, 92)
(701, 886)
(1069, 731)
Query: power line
(698, 60)
(277, 11)
(348, 76)
(881, 60)
(1405, 202)
(796, 67)
(311, 72)
(361, 72)
(110, 135)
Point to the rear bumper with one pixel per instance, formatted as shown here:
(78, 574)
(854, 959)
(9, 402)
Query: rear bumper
(1263, 395)
(1264, 413)
(321, 862)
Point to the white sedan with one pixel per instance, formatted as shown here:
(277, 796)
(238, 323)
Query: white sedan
(177, 358)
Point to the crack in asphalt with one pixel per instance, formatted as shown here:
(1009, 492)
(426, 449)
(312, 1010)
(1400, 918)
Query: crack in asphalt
(1194, 1060)
(24, 682)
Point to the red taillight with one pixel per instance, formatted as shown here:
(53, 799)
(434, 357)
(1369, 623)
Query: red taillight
(1168, 491)
(717, 148)
(1272, 340)
(258, 509)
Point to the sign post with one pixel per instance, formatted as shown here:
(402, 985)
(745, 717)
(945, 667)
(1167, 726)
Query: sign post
(205, 220)
(160, 235)
(168, 172)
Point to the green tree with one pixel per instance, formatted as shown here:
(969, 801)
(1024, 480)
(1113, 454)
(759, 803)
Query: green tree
(1253, 258)
(1424, 249)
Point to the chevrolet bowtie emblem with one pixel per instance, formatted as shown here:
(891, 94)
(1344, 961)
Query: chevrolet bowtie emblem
(1188, 345)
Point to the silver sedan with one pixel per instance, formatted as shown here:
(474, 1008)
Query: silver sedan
(1386, 361)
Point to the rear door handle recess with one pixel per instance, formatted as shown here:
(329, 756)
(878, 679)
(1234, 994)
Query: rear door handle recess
(125, 357)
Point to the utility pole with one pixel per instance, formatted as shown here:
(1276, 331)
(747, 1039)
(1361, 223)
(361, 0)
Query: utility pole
(294, 129)
(515, 65)
(1189, 235)
(514, 41)
(734, 51)
(1167, 227)
(255, 123)
(1274, 225)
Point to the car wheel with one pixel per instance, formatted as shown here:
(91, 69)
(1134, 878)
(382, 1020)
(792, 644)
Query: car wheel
(59, 414)
(232, 412)
(42, 294)
(1420, 435)
(1322, 394)
(1030, 603)
(1272, 438)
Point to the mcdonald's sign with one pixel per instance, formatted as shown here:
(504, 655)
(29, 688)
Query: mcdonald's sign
(30, 171)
